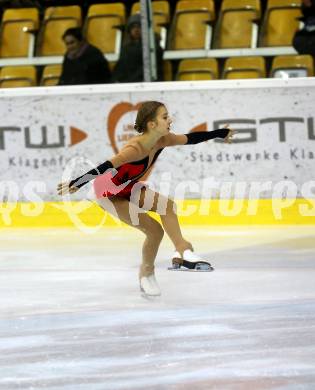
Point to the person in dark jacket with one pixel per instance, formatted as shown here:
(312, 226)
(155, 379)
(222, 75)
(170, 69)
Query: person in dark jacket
(129, 68)
(304, 40)
(83, 63)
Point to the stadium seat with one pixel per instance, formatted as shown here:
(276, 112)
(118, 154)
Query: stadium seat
(191, 27)
(198, 69)
(244, 68)
(161, 18)
(56, 21)
(292, 66)
(280, 22)
(18, 76)
(103, 26)
(167, 70)
(236, 27)
(17, 39)
(51, 75)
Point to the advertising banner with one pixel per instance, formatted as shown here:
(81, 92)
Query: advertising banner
(47, 134)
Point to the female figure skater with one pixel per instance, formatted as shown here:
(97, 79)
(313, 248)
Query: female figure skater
(131, 163)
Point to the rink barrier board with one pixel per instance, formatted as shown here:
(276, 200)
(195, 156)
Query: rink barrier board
(191, 212)
(49, 134)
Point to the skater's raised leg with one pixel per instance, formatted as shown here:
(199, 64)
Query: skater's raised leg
(166, 208)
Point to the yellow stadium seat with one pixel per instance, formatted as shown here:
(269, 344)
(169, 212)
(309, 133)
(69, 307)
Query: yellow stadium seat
(167, 70)
(292, 66)
(280, 22)
(56, 21)
(236, 27)
(17, 39)
(112, 65)
(51, 75)
(103, 26)
(161, 17)
(198, 69)
(18, 76)
(244, 68)
(191, 27)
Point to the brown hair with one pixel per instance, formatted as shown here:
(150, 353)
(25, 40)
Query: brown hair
(147, 112)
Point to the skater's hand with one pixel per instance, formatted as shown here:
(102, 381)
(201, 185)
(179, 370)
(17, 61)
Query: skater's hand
(228, 138)
(63, 189)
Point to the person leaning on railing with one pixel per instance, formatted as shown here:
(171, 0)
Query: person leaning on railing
(304, 40)
(129, 68)
(83, 63)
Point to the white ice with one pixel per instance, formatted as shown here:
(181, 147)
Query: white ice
(72, 317)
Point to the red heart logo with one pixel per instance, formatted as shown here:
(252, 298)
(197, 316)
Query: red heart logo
(113, 118)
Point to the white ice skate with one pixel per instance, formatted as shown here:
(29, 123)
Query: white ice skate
(189, 262)
(149, 286)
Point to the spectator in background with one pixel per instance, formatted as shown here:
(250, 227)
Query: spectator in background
(304, 40)
(83, 63)
(129, 67)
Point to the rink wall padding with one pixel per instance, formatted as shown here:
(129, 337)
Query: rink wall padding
(193, 212)
(51, 134)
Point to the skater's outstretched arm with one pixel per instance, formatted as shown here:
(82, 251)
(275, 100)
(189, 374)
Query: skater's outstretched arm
(128, 154)
(199, 136)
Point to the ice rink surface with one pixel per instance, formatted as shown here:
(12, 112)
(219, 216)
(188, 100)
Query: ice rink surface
(72, 318)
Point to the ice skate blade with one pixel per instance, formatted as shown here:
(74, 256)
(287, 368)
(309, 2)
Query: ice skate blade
(150, 297)
(190, 270)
